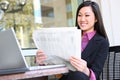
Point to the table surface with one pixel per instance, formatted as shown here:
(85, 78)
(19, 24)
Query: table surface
(35, 73)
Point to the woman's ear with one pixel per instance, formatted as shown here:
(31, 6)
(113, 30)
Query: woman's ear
(95, 20)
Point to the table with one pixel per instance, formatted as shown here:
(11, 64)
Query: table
(35, 74)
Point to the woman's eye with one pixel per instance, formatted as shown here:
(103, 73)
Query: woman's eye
(79, 15)
(87, 15)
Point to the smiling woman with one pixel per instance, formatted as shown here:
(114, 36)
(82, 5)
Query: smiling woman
(95, 45)
(86, 19)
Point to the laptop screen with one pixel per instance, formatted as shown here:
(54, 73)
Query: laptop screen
(10, 52)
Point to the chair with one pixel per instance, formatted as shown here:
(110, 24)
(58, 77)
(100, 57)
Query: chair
(111, 70)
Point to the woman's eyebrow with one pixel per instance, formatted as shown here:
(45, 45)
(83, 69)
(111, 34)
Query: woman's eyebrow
(84, 13)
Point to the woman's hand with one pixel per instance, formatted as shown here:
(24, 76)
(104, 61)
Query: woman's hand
(80, 65)
(40, 57)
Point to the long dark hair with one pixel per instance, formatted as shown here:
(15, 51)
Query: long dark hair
(99, 26)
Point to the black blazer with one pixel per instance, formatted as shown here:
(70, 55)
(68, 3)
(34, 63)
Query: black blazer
(95, 54)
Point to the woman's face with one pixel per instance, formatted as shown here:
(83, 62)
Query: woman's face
(86, 19)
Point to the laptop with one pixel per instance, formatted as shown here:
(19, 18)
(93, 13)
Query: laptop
(11, 58)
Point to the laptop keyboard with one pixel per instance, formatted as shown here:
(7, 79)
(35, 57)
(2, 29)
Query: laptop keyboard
(46, 67)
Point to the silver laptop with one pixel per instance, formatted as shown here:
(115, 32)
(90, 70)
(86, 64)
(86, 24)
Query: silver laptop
(11, 57)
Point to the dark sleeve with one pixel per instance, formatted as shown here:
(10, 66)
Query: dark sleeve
(100, 58)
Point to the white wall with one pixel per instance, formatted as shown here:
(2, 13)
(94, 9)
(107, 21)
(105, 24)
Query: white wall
(111, 15)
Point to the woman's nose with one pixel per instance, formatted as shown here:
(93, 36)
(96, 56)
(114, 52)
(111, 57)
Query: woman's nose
(82, 18)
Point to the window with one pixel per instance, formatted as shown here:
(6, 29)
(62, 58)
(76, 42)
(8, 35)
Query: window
(54, 13)
(48, 13)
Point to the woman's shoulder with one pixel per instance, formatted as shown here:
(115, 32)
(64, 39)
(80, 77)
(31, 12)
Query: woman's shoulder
(101, 39)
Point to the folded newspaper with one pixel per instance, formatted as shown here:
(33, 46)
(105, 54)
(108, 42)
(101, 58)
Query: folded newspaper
(59, 44)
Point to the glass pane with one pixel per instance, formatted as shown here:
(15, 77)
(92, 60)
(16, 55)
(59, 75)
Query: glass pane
(27, 15)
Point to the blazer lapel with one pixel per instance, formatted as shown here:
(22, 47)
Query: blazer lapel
(92, 45)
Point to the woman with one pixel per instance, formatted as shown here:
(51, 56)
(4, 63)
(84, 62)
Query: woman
(95, 45)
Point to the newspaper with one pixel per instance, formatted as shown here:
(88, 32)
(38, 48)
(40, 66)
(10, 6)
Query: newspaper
(58, 42)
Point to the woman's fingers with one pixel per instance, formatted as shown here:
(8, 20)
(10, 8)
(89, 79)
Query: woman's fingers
(40, 57)
(79, 64)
